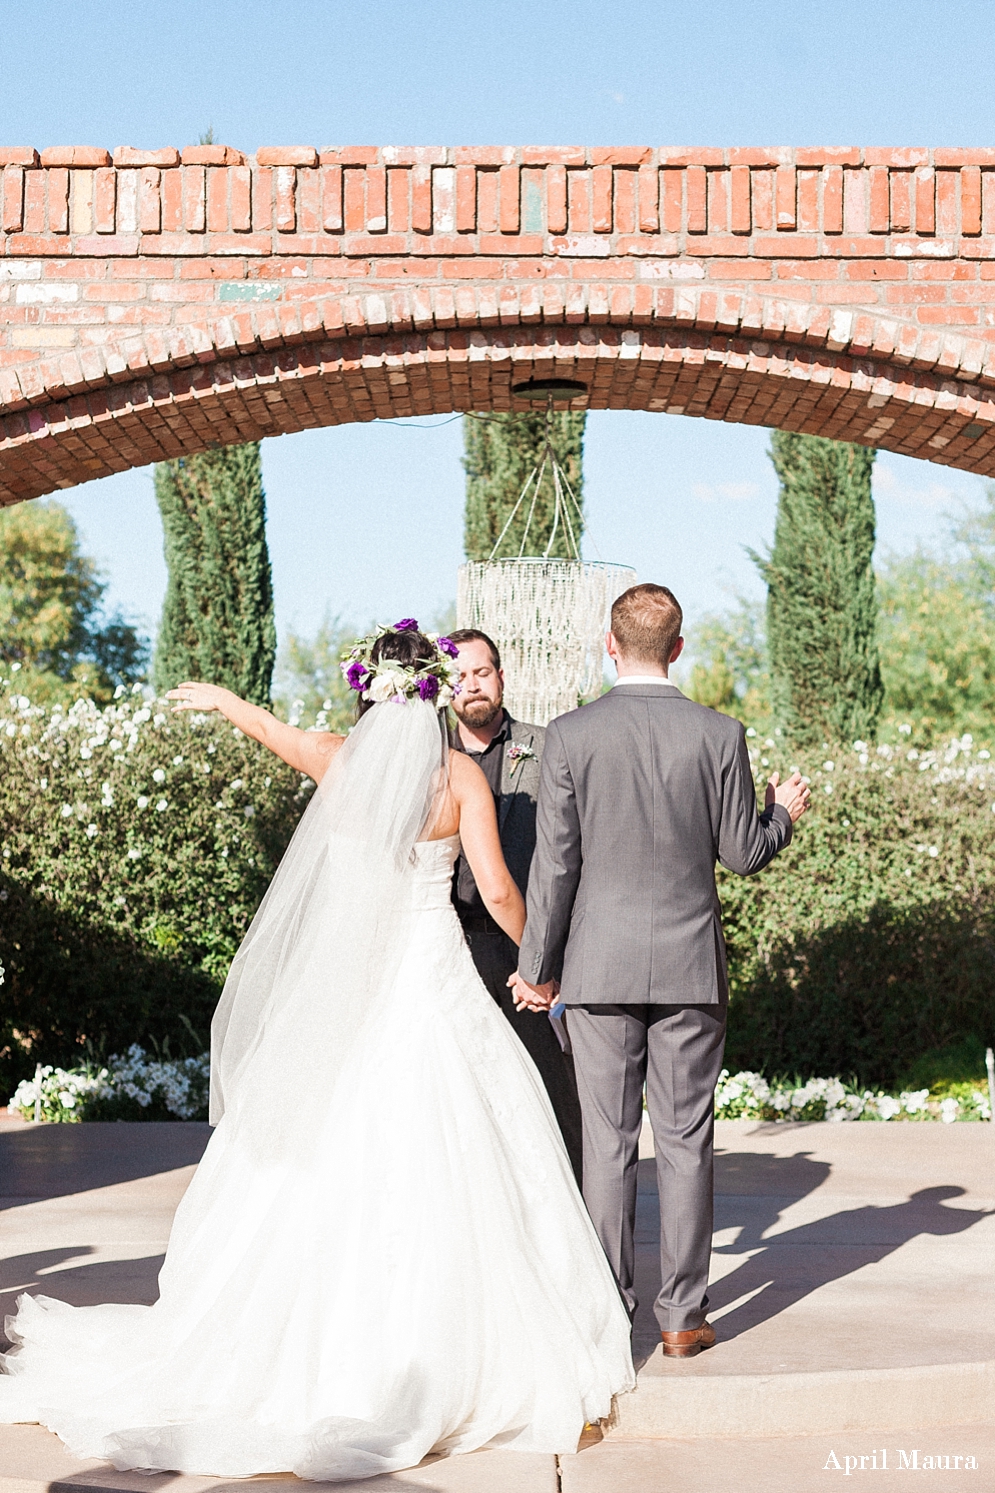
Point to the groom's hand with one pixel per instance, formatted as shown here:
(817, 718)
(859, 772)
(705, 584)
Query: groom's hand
(531, 997)
(793, 795)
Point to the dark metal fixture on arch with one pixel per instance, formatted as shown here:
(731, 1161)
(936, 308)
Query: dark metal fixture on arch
(546, 389)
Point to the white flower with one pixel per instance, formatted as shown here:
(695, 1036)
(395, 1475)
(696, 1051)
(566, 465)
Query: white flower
(91, 830)
(159, 720)
(142, 801)
(177, 761)
(237, 783)
(83, 751)
(161, 806)
(107, 796)
(750, 731)
(67, 811)
(914, 1102)
(134, 853)
(888, 1107)
(249, 811)
(67, 1100)
(43, 783)
(860, 746)
(390, 682)
(159, 776)
(827, 787)
(828, 766)
(115, 744)
(948, 1110)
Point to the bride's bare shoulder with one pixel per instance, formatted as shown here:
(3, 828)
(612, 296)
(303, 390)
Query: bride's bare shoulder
(320, 750)
(465, 777)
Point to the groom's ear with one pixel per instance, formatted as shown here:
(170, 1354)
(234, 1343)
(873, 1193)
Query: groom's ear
(678, 650)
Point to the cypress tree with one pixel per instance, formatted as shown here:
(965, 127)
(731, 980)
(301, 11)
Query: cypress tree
(217, 617)
(501, 451)
(822, 606)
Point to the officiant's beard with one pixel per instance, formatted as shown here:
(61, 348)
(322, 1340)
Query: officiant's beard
(480, 713)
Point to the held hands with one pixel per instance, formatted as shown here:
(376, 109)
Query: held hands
(792, 795)
(532, 997)
(194, 696)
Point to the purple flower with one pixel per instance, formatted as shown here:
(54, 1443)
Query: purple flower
(406, 624)
(446, 645)
(356, 676)
(428, 687)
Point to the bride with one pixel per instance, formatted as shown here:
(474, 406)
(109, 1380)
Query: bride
(383, 1252)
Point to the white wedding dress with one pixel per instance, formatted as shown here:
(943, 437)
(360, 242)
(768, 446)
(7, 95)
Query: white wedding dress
(384, 1258)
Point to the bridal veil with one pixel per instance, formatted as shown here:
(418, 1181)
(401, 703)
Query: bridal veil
(315, 964)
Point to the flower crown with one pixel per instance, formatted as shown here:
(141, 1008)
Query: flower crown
(387, 679)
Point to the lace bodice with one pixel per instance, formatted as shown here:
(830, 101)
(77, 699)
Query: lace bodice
(434, 872)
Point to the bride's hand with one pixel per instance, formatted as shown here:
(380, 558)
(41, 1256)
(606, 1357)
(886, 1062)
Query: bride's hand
(195, 696)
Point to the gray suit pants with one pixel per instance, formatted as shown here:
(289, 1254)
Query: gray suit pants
(676, 1051)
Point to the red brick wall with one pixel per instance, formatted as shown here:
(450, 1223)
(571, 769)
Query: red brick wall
(153, 302)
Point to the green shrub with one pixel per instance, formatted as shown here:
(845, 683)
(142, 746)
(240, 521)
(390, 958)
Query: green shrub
(945, 1067)
(136, 846)
(871, 940)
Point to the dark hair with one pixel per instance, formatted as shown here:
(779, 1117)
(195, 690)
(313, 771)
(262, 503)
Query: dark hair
(646, 621)
(471, 635)
(406, 648)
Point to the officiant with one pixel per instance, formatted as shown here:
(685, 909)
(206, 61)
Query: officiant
(508, 752)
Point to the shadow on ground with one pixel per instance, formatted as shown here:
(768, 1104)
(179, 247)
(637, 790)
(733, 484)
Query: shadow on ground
(130, 1282)
(49, 1161)
(752, 1191)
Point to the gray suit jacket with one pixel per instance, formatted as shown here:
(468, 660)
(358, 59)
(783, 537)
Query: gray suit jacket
(641, 792)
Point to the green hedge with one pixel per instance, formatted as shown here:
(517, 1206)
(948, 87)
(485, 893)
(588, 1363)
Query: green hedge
(871, 940)
(136, 846)
(856, 953)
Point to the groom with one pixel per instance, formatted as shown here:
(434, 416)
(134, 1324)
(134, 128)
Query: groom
(641, 793)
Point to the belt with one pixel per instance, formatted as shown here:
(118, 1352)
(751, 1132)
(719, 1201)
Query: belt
(478, 922)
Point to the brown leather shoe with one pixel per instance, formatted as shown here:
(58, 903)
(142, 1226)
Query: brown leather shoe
(687, 1344)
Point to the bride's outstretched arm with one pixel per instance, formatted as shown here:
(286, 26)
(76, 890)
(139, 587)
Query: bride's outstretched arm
(309, 752)
(478, 828)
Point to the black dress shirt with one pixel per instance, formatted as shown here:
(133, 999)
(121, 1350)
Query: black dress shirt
(467, 899)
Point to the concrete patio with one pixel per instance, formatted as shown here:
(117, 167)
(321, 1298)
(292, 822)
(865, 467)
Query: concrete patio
(853, 1296)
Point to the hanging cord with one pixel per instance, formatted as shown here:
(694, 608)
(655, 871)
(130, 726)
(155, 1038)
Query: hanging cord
(561, 509)
(561, 485)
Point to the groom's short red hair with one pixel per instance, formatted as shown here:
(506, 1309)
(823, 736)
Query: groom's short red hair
(646, 621)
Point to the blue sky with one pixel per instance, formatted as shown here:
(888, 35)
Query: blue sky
(366, 521)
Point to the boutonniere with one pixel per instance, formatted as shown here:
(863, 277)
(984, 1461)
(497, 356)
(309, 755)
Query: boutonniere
(518, 752)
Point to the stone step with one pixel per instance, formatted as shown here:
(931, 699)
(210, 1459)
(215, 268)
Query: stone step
(667, 1402)
(33, 1461)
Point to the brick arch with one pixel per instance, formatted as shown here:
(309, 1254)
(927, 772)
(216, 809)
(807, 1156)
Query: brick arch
(153, 304)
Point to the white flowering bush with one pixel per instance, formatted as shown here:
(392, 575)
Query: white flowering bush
(750, 1096)
(133, 1087)
(135, 846)
(871, 939)
(55, 1094)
